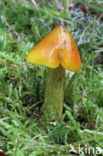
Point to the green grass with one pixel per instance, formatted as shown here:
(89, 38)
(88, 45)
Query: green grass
(23, 132)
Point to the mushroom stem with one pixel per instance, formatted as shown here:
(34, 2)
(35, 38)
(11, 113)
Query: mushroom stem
(54, 93)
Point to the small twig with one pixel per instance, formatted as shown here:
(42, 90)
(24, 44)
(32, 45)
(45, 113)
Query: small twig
(101, 15)
(34, 3)
(12, 29)
(82, 35)
(3, 138)
(5, 118)
(36, 104)
(99, 51)
(3, 61)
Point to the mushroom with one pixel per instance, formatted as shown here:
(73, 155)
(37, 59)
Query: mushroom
(57, 51)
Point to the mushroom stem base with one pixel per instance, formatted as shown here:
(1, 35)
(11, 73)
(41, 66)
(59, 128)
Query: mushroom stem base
(54, 93)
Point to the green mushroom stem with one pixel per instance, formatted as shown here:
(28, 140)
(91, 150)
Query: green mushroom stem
(54, 92)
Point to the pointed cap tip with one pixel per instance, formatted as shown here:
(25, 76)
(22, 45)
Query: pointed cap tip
(58, 47)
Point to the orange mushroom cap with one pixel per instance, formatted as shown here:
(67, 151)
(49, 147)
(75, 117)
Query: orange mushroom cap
(58, 47)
